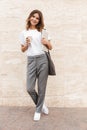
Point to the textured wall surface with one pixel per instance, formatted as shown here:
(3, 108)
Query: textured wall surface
(66, 21)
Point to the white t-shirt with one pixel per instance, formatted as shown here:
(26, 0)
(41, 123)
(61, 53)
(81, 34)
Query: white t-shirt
(35, 47)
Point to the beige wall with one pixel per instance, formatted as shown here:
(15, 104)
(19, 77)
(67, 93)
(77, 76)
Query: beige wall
(66, 21)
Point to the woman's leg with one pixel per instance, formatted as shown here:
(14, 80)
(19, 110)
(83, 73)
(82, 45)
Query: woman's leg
(31, 79)
(42, 73)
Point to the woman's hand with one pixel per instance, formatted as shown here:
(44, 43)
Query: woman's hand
(28, 40)
(25, 46)
(46, 43)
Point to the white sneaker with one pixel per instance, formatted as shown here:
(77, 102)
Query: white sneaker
(37, 116)
(45, 110)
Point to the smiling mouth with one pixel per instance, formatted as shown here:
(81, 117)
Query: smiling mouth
(33, 21)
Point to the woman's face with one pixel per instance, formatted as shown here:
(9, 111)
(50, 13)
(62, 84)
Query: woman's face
(34, 20)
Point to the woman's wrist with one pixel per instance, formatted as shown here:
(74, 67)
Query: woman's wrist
(49, 46)
(26, 45)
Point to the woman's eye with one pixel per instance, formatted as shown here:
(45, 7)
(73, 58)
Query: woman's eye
(37, 18)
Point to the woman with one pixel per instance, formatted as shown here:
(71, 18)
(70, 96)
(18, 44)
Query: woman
(37, 63)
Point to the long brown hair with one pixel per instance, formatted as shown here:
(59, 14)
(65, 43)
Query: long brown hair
(40, 25)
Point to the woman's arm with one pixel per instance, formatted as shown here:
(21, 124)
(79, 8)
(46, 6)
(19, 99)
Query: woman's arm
(47, 43)
(25, 46)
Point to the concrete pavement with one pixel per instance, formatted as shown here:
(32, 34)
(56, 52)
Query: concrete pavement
(21, 118)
